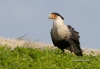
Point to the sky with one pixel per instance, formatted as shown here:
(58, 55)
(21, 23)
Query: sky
(30, 18)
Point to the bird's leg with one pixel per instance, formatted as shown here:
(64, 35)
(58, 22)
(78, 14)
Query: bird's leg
(73, 53)
(62, 51)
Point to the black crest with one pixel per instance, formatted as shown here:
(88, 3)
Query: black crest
(57, 14)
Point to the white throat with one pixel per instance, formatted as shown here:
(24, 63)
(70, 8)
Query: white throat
(58, 22)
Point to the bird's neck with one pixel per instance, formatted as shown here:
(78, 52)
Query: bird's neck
(58, 22)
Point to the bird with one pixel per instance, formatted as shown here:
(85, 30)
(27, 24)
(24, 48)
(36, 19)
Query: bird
(64, 36)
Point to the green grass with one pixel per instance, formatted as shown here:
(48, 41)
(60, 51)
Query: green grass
(28, 58)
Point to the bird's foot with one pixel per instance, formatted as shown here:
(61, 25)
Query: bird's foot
(62, 51)
(73, 53)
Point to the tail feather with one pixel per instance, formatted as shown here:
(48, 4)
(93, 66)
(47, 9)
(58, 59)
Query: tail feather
(75, 48)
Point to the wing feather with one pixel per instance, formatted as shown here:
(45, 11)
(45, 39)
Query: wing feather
(75, 44)
(55, 44)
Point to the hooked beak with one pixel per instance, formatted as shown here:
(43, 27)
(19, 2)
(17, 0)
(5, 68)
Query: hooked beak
(49, 17)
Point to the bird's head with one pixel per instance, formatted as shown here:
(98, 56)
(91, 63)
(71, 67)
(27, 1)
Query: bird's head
(55, 15)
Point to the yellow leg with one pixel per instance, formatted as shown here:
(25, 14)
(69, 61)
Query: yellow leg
(73, 53)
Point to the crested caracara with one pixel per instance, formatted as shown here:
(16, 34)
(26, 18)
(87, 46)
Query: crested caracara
(64, 36)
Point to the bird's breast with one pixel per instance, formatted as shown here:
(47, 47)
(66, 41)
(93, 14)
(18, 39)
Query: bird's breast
(60, 33)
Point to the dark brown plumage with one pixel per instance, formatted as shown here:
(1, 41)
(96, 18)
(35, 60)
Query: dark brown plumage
(64, 36)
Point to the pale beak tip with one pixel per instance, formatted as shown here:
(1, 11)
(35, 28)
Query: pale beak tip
(49, 17)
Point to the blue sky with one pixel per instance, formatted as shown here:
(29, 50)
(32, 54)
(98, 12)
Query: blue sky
(30, 17)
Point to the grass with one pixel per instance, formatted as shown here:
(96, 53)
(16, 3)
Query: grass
(21, 42)
(30, 58)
